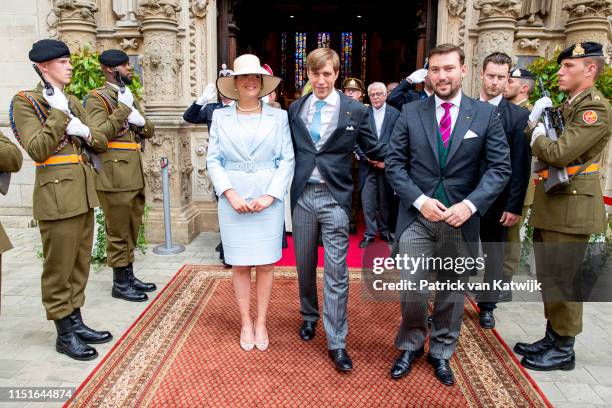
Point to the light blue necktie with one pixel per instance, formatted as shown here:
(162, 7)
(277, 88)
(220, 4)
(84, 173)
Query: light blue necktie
(315, 125)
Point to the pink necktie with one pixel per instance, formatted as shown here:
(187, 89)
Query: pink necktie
(445, 123)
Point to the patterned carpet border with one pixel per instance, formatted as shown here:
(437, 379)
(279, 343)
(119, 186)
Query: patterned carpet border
(500, 380)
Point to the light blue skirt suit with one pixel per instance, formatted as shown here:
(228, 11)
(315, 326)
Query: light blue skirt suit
(252, 154)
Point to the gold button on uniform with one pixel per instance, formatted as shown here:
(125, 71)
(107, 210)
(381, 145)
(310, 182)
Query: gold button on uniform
(115, 160)
(56, 181)
(573, 191)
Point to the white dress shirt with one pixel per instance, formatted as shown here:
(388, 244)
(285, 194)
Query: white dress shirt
(332, 102)
(379, 117)
(495, 101)
(454, 112)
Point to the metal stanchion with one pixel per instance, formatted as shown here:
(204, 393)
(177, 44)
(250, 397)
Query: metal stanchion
(168, 248)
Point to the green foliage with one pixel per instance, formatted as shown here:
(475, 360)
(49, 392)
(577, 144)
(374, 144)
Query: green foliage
(87, 74)
(547, 70)
(98, 254)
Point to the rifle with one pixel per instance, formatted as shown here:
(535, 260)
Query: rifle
(136, 131)
(557, 177)
(89, 155)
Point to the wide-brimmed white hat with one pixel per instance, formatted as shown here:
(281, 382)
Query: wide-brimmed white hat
(243, 65)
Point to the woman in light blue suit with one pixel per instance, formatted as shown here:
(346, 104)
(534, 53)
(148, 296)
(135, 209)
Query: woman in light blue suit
(250, 162)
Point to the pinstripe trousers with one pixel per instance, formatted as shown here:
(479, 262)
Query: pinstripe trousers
(316, 208)
(425, 239)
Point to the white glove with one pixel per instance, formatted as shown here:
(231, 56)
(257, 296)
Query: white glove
(209, 94)
(58, 100)
(538, 108)
(417, 76)
(77, 128)
(135, 118)
(537, 132)
(126, 97)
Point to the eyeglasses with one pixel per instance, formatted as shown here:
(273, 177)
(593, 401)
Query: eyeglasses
(377, 95)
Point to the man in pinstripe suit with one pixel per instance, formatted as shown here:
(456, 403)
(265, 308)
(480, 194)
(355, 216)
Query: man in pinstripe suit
(448, 159)
(325, 125)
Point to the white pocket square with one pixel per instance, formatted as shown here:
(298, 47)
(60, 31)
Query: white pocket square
(350, 127)
(469, 134)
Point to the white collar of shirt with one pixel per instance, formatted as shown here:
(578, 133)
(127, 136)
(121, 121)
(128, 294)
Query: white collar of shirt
(495, 101)
(456, 101)
(331, 99)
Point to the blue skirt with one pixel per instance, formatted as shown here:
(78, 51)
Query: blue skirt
(252, 238)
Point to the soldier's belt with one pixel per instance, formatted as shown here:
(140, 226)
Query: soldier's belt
(571, 170)
(60, 159)
(124, 145)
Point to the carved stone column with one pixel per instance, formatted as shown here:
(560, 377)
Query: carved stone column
(590, 20)
(76, 25)
(163, 84)
(496, 27)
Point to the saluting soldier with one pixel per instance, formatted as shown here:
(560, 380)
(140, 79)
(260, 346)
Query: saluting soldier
(46, 124)
(10, 162)
(115, 111)
(519, 88)
(564, 219)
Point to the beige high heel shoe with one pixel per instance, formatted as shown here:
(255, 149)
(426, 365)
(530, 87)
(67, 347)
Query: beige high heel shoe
(245, 345)
(262, 344)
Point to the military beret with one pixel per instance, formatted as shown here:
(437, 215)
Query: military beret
(522, 73)
(581, 50)
(112, 58)
(353, 83)
(48, 49)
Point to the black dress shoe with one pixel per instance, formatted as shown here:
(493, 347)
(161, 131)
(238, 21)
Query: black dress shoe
(487, 320)
(70, 344)
(137, 283)
(87, 334)
(307, 331)
(442, 369)
(341, 359)
(387, 238)
(365, 242)
(540, 346)
(560, 356)
(123, 288)
(403, 363)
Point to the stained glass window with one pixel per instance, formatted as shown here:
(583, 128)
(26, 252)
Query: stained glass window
(323, 40)
(346, 53)
(300, 59)
(364, 53)
(283, 61)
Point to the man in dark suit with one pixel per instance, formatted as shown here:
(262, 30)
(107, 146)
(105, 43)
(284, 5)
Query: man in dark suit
(506, 210)
(201, 112)
(447, 160)
(376, 194)
(405, 92)
(325, 125)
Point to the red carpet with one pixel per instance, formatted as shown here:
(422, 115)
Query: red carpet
(183, 351)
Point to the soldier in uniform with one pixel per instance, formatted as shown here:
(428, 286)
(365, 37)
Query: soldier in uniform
(47, 124)
(354, 88)
(564, 218)
(521, 84)
(115, 111)
(10, 162)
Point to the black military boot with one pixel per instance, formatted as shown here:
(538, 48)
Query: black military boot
(87, 334)
(137, 283)
(70, 344)
(530, 349)
(122, 287)
(559, 357)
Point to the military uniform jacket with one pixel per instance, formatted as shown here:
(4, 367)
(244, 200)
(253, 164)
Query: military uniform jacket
(531, 186)
(122, 168)
(10, 161)
(578, 207)
(60, 191)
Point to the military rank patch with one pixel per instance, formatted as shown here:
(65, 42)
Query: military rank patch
(589, 117)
